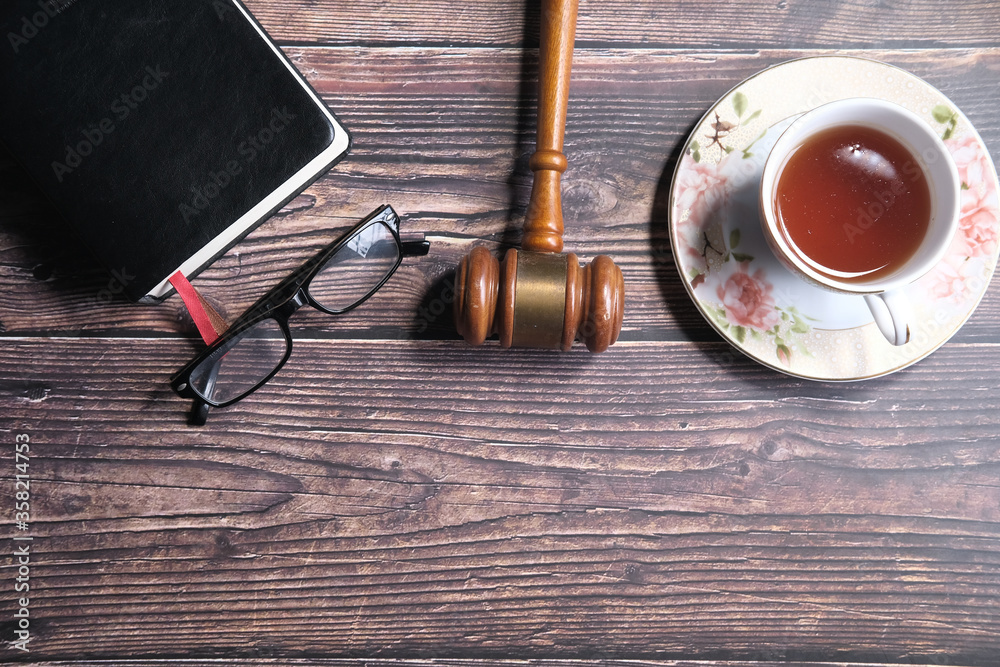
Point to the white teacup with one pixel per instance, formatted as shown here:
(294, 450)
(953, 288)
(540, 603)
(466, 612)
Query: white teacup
(884, 295)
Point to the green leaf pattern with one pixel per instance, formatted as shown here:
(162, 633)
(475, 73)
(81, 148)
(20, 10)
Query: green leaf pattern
(739, 104)
(948, 117)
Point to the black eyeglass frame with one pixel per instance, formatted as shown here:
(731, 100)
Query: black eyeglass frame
(283, 300)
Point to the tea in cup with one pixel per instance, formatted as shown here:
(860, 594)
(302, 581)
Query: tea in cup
(860, 196)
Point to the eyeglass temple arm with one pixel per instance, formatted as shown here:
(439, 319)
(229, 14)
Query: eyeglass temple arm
(415, 247)
(199, 413)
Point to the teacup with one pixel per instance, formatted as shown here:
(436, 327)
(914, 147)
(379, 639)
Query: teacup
(860, 196)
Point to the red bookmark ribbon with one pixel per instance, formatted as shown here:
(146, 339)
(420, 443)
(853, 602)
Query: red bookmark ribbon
(210, 324)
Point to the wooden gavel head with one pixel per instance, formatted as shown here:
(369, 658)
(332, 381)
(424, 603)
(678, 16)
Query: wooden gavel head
(535, 299)
(537, 296)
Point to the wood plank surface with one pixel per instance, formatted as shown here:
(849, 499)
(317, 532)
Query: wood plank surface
(450, 152)
(394, 498)
(686, 503)
(390, 662)
(739, 25)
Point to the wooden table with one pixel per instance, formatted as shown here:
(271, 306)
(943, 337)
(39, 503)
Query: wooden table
(395, 497)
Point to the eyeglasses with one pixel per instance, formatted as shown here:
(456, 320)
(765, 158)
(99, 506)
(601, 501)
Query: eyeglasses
(338, 279)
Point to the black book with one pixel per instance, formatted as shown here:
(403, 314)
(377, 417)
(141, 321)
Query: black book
(163, 131)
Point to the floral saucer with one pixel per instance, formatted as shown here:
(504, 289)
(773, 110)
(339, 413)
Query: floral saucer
(743, 290)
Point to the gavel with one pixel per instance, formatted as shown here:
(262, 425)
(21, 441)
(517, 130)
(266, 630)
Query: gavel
(538, 296)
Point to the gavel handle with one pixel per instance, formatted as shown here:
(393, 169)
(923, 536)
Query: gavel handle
(543, 227)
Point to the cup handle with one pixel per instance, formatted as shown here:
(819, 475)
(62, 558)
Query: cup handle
(892, 315)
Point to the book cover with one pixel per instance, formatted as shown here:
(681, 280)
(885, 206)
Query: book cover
(162, 131)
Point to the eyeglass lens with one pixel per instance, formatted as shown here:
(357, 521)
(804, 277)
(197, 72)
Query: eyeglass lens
(239, 366)
(346, 278)
(357, 268)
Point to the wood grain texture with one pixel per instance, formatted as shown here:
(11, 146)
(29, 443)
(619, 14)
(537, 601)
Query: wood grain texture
(644, 23)
(398, 662)
(689, 503)
(394, 498)
(390, 662)
(450, 153)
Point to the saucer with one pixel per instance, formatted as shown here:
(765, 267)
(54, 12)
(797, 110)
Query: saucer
(742, 289)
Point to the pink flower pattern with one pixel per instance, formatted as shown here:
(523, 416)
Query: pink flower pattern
(947, 280)
(979, 221)
(748, 301)
(970, 158)
(700, 188)
(979, 217)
